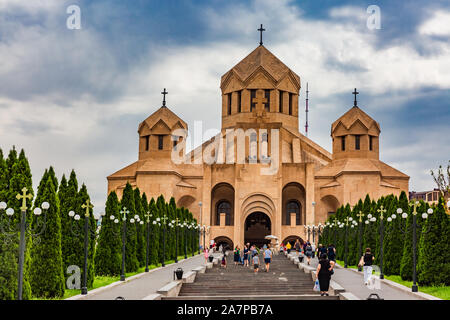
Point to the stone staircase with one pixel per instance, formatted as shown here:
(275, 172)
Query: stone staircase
(284, 281)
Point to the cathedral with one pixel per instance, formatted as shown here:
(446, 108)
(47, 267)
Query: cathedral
(260, 175)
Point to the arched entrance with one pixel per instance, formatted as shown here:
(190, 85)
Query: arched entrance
(257, 226)
(226, 242)
(292, 239)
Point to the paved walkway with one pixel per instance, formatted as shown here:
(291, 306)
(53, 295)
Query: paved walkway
(354, 283)
(147, 284)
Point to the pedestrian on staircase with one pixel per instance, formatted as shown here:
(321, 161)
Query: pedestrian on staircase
(288, 247)
(224, 261)
(246, 251)
(332, 252)
(249, 254)
(323, 274)
(237, 255)
(206, 255)
(297, 246)
(308, 252)
(255, 263)
(267, 257)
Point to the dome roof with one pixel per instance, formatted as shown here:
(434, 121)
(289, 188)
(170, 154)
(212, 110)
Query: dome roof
(353, 115)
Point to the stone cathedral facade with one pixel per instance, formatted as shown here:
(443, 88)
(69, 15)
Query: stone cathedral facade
(266, 177)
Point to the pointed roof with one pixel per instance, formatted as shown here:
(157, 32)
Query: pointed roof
(166, 115)
(260, 57)
(352, 116)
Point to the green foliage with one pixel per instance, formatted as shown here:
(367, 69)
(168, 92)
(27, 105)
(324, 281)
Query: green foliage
(108, 255)
(46, 272)
(434, 249)
(131, 260)
(393, 242)
(140, 229)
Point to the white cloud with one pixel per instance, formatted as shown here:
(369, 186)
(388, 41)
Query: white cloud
(437, 25)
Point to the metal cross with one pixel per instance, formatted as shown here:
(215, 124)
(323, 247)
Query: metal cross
(24, 196)
(360, 215)
(124, 213)
(260, 100)
(382, 211)
(261, 31)
(355, 103)
(164, 219)
(87, 206)
(414, 204)
(148, 215)
(164, 96)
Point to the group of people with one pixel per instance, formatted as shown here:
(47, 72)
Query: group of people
(249, 256)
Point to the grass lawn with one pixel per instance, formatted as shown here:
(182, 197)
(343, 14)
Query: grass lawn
(442, 292)
(101, 281)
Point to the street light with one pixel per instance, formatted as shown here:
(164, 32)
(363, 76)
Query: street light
(164, 224)
(308, 229)
(124, 212)
(24, 228)
(382, 211)
(148, 217)
(360, 215)
(87, 232)
(200, 204)
(404, 215)
(193, 227)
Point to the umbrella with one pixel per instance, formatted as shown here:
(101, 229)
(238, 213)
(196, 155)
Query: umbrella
(270, 236)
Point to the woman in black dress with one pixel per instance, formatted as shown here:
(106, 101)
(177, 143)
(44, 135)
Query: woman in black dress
(323, 273)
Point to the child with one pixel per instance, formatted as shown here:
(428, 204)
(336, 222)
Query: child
(256, 263)
(224, 262)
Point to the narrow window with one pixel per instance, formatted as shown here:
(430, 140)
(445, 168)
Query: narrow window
(343, 143)
(357, 142)
(267, 96)
(370, 143)
(147, 142)
(175, 140)
(290, 104)
(252, 96)
(229, 103)
(160, 142)
(239, 101)
(280, 102)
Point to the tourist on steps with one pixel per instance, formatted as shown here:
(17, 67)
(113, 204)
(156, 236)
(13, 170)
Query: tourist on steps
(249, 254)
(308, 252)
(206, 255)
(288, 247)
(323, 274)
(255, 263)
(246, 251)
(237, 255)
(332, 252)
(224, 261)
(366, 262)
(267, 257)
(297, 246)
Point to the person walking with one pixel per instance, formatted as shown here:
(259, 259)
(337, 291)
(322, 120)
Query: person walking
(255, 262)
(297, 246)
(308, 252)
(249, 256)
(246, 251)
(313, 247)
(205, 252)
(267, 257)
(331, 252)
(224, 262)
(323, 274)
(366, 262)
(288, 247)
(321, 250)
(237, 255)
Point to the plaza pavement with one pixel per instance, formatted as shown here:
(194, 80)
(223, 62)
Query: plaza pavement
(146, 284)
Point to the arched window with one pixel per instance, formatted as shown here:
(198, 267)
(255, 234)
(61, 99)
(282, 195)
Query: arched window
(253, 148)
(293, 207)
(224, 207)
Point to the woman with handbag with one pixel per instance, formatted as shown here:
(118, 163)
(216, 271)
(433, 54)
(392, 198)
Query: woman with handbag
(323, 274)
(366, 262)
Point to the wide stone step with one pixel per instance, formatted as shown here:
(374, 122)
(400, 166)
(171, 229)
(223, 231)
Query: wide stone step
(253, 297)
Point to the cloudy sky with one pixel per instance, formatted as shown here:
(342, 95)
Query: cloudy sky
(73, 98)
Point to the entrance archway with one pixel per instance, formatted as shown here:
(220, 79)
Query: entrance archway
(226, 242)
(257, 226)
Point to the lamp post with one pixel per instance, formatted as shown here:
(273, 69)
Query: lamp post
(360, 215)
(24, 227)
(176, 224)
(186, 228)
(87, 232)
(415, 204)
(308, 229)
(148, 216)
(193, 227)
(124, 212)
(200, 204)
(382, 211)
(164, 223)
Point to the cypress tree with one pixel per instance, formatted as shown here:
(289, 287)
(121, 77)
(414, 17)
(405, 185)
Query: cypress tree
(19, 174)
(108, 255)
(434, 249)
(70, 244)
(140, 230)
(131, 261)
(370, 229)
(154, 234)
(162, 211)
(46, 273)
(394, 240)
